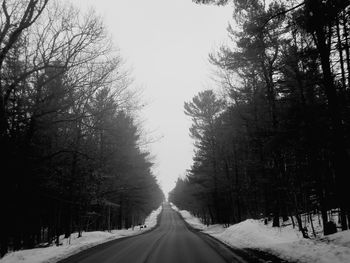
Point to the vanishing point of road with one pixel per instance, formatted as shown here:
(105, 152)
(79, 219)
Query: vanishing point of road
(171, 242)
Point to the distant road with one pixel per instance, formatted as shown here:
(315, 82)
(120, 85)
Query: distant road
(170, 242)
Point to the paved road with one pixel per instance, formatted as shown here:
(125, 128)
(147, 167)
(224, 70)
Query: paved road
(170, 242)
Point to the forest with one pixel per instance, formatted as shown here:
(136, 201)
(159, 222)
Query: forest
(73, 155)
(272, 138)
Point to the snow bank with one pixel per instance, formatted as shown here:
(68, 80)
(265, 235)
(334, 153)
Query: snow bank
(287, 243)
(284, 242)
(151, 220)
(56, 253)
(193, 221)
(74, 244)
(196, 222)
(253, 233)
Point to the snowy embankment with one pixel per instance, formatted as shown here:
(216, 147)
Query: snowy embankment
(74, 245)
(284, 242)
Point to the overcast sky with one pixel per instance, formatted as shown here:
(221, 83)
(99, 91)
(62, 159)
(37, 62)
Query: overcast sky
(166, 43)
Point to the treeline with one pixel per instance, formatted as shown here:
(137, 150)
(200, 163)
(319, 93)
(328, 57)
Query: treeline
(277, 144)
(71, 158)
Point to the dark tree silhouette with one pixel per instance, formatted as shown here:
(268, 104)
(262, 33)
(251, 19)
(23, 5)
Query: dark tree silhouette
(282, 138)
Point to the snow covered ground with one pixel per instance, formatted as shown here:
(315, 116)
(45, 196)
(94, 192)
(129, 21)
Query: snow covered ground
(284, 242)
(75, 245)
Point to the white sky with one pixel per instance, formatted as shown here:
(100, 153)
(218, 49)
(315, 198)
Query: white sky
(166, 43)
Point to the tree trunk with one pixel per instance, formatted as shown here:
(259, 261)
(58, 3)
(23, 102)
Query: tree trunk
(347, 52)
(312, 224)
(340, 51)
(340, 156)
(276, 214)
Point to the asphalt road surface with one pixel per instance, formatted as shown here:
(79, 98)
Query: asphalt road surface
(171, 242)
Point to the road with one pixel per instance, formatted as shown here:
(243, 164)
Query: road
(171, 242)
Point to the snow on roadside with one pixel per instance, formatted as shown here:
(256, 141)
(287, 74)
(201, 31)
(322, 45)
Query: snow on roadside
(151, 220)
(287, 243)
(193, 221)
(284, 242)
(75, 245)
